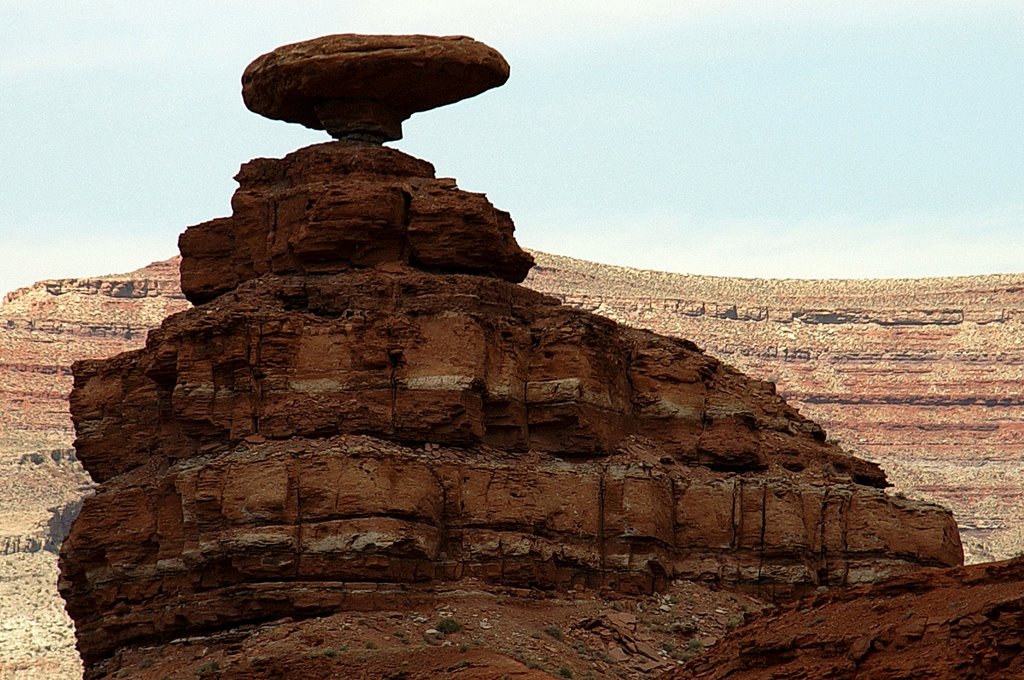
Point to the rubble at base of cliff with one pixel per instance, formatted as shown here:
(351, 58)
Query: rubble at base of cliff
(469, 631)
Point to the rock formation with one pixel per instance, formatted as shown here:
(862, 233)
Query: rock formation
(47, 326)
(43, 328)
(957, 624)
(362, 88)
(364, 411)
(921, 376)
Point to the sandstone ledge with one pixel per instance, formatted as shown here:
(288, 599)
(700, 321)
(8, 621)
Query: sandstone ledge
(307, 528)
(338, 206)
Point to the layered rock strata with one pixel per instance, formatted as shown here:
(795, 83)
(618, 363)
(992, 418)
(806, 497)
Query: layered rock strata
(957, 624)
(364, 407)
(333, 207)
(922, 376)
(47, 326)
(43, 329)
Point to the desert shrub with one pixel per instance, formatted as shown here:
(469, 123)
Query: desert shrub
(553, 631)
(209, 667)
(448, 625)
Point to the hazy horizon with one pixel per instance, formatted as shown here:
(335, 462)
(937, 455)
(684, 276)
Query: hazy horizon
(790, 139)
(1010, 275)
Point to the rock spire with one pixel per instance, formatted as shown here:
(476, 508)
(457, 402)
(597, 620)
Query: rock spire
(337, 206)
(365, 411)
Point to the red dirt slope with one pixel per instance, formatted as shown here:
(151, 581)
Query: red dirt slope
(952, 624)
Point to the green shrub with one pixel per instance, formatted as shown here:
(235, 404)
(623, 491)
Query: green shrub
(209, 667)
(553, 631)
(447, 626)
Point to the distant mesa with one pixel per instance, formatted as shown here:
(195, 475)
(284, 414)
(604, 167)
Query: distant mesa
(362, 87)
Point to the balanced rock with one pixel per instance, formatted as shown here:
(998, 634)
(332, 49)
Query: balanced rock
(363, 86)
(365, 410)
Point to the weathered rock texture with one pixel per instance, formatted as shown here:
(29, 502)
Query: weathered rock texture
(364, 86)
(506, 635)
(43, 328)
(922, 376)
(47, 326)
(331, 207)
(957, 624)
(364, 408)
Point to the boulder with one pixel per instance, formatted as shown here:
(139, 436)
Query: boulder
(364, 86)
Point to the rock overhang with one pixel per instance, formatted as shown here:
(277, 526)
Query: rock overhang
(362, 87)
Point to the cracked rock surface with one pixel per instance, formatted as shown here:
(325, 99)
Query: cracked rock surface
(364, 411)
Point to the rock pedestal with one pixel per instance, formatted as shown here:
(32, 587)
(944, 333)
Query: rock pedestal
(364, 407)
(338, 207)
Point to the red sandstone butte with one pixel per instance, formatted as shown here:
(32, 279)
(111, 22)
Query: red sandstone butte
(365, 410)
(333, 207)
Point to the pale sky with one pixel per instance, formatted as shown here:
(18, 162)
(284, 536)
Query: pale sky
(748, 138)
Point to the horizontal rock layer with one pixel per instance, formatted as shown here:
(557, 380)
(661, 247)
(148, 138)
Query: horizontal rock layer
(337, 206)
(274, 448)
(455, 360)
(299, 529)
(920, 375)
(45, 327)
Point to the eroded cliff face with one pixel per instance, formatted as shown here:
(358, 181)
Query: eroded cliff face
(922, 376)
(43, 328)
(47, 326)
(364, 409)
